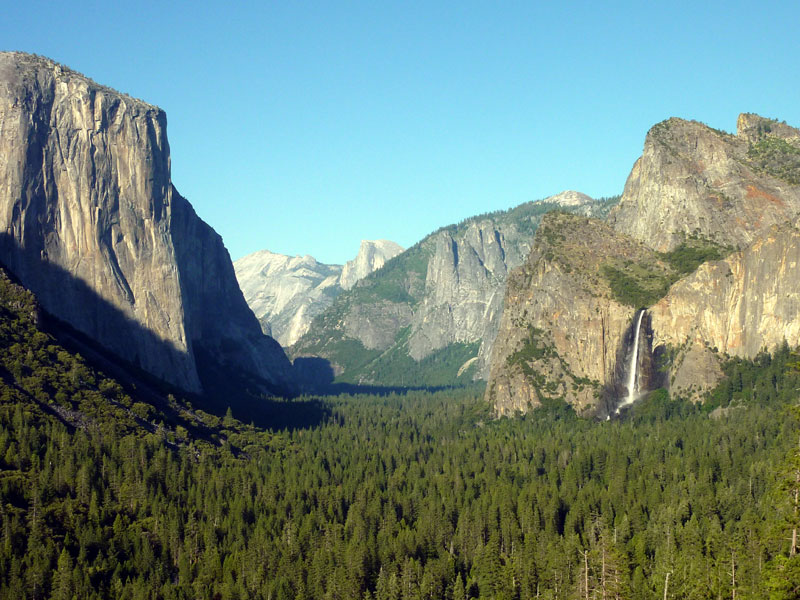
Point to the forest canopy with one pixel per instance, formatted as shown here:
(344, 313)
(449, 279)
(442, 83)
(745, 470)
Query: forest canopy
(416, 495)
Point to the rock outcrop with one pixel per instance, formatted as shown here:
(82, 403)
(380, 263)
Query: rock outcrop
(286, 292)
(748, 302)
(432, 312)
(693, 180)
(90, 222)
(464, 285)
(563, 332)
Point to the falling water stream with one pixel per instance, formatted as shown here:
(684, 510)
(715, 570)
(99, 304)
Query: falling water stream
(634, 364)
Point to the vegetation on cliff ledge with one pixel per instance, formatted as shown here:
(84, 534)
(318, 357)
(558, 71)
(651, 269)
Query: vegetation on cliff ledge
(777, 157)
(642, 284)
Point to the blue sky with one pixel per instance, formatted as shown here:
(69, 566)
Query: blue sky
(304, 127)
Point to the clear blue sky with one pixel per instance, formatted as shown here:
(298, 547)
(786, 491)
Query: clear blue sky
(304, 127)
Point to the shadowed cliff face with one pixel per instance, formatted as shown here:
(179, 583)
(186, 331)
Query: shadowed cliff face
(85, 191)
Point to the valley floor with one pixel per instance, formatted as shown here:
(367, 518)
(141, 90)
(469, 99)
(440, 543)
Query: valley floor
(409, 496)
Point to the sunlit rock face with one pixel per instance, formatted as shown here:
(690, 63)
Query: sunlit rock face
(748, 302)
(438, 303)
(91, 223)
(562, 333)
(287, 292)
(372, 255)
(565, 335)
(694, 180)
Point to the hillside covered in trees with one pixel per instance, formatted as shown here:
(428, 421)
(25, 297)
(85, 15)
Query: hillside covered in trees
(394, 497)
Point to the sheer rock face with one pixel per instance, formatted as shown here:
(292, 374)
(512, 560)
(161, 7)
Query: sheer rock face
(91, 224)
(562, 331)
(738, 306)
(372, 255)
(561, 327)
(692, 179)
(454, 295)
(464, 285)
(445, 294)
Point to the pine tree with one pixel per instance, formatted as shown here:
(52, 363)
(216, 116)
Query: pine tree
(62, 581)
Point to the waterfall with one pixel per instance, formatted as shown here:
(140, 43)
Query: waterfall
(633, 366)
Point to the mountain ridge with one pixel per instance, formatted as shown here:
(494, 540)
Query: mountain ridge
(286, 293)
(439, 302)
(714, 283)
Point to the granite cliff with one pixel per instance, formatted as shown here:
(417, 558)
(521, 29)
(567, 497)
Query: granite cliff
(91, 223)
(286, 292)
(565, 330)
(704, 237)
(692, 179)
(738, 306)
(430, 315)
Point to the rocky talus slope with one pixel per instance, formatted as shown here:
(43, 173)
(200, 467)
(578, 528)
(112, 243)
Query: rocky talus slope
(713, 216)
(287, 292)
(90, 222)
(431, 314)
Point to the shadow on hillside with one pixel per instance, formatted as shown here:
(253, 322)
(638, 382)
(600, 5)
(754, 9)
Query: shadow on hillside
(317, 375)
(243, 393)
(86, 323)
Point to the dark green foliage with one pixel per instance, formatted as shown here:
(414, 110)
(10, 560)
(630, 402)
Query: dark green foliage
(526, 216)
(404, 496)
(693, 252)
(396, 368)
(637, 285)
(643, 284)
(397, 281)
(766, 380)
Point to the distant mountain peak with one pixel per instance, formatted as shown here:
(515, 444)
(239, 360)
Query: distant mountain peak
(287, 292)
(372, 255)
(569, 198)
